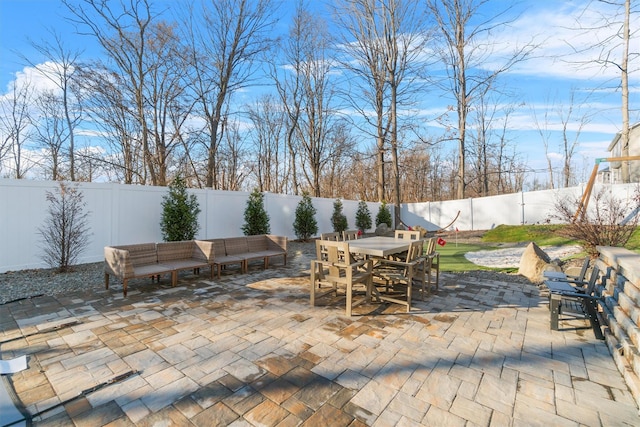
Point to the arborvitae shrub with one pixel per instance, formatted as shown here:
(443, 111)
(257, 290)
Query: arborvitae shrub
(383, 216)
(339, 219)
(305, 224)
(256, 219)
(179, 213)
(363, 216)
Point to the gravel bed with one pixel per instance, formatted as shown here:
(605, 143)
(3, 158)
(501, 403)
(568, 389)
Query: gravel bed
(15, 285)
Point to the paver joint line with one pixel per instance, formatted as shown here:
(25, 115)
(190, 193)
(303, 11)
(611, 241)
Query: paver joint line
(42, 331)
(88, 391)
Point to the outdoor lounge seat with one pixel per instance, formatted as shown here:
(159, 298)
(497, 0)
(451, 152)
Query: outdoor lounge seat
(184, 255)
(263, 247)
(568, 301)
(155, 259)
(221, 259)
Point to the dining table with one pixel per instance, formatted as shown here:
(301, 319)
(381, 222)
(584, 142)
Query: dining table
(378, 246)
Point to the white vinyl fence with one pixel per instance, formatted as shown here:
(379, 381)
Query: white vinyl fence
(533, 207)
(124, 214)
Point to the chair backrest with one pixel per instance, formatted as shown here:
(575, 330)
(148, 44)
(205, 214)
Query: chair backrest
(591, 286)
(583, 270)
(430, 246)
(415, 250)
(335, 236)
(349, 235)
(407, 234)
(335, 253)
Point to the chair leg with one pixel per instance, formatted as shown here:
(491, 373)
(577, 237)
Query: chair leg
(591, 307)
(106, 280)
(554, 308)
(312, 294)
(409, 287)
(174, 278)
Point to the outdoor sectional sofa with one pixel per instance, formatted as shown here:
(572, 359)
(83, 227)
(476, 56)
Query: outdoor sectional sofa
(156, 259)
(241, 250)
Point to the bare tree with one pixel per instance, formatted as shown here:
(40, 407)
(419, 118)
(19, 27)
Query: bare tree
(143, 52)
(287, 77)
(270, 164)
(543, 126)
(225, 38)
(488, 137)
(316, 117)
(165, 96)
(107, 104)
(232, 173)
(335, 180)
(15, 120)
(382, 44)
(567, 122)
(612, 51)
(461, 26)
(363, 46)
(122, 34)
(571, 129)
(59, 68)
(50, 131)
(65, 232)
(510, 168)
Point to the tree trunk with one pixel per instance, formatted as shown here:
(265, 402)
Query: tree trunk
(624, 133)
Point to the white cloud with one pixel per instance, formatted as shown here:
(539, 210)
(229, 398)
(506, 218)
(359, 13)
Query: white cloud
(566, 33)
(35, 78)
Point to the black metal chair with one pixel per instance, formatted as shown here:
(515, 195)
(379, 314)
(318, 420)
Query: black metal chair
(569, 301)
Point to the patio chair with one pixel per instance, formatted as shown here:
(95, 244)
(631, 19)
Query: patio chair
(567, 301)
(350, 235)
(432, 264)
(335, 269)
(334, 237)
(407, 234)
(399, 276)
(558, 275)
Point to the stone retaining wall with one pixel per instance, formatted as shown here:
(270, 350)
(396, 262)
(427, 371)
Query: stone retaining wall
(621, 312)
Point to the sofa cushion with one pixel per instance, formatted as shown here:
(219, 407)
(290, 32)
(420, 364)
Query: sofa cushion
(236, 245)
(173, 251)
(258, 243)
(141, 254)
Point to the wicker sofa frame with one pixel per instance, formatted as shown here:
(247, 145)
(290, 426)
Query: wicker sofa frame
(168, 258)
(242, 250)
(155, 259)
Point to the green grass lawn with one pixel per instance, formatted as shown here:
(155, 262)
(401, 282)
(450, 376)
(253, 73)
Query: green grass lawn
(452, 257)
(543, 235)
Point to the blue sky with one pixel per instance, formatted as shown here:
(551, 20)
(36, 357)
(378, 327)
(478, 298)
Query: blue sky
(547, 79)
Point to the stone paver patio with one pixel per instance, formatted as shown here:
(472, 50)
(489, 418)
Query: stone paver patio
(249, 350)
